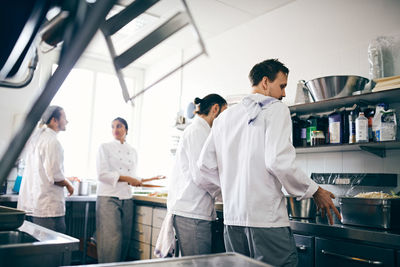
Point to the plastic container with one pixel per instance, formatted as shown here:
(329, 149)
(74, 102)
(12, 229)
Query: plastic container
(376, 120)
(312, 126)
(375, 59)
(361, 128)
(20, 172)
(317, 138)
(335, 128)
(388, 126)
(352, 128)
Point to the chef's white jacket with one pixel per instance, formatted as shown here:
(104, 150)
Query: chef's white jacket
(113, 160)
(39, 196)
(185, 198)
(249, 153)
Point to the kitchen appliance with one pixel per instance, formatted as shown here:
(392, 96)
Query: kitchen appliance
(304, 209)
(81, 188)
(335, 86)
(11, 218)
(371, 212)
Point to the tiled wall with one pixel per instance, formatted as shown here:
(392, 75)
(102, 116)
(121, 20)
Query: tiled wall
(351, 162)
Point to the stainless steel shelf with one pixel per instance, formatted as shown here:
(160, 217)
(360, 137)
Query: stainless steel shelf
(388, 97)
(377, 148)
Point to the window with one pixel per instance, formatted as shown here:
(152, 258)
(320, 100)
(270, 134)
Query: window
(91, 100)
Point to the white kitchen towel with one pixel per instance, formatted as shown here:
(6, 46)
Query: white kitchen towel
(165, 245)
(254, 105)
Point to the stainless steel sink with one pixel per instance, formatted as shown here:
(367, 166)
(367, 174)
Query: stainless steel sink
(34, 245)
(15, 237)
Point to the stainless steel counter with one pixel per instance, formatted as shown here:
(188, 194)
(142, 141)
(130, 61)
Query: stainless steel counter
(14, 198)
(320, 227)
(220, 259)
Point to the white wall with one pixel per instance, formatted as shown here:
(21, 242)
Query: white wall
(313, 38)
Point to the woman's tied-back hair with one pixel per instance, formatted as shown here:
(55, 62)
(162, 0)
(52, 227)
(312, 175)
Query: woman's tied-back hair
(123, 121)
(268, 68)
(204, 105)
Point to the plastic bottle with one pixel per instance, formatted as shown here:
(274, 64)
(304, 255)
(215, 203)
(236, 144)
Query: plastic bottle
(20, 171)
(352, 128)
(361, 128)
(376, 121)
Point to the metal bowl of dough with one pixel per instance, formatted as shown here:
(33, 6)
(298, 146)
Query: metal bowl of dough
(304, 209)
(335, 86)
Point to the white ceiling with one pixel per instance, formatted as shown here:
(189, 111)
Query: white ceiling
(212, 17)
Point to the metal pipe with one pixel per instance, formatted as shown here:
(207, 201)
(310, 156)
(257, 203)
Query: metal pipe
(28, 78)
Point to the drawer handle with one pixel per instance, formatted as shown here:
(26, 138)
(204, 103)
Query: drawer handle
(351, 258)
(301, 248)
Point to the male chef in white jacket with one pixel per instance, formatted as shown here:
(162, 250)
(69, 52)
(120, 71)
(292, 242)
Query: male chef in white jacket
(249, 154)
(42, 187)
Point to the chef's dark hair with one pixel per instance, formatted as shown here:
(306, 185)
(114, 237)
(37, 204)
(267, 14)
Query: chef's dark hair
(269, 68)
(123, 121)
(51, 112)
(204, 105)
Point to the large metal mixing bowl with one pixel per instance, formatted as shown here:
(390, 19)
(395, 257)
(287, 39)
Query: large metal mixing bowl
(335, 86)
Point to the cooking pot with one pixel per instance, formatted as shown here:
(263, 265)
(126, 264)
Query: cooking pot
(81, 188)
(304, 209)
(334, 86)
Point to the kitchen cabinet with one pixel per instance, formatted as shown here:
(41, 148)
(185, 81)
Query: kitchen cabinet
(146, 228)
(398, 258)
(141, 233)
(305, 250)
(342, 253)
(391, 97)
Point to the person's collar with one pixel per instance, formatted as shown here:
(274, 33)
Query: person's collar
(48, 129)
(201, 121)
(119, 142)
(255, 103)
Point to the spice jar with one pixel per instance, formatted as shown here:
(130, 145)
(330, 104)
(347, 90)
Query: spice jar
(317, 138)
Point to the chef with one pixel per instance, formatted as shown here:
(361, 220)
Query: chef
(116, 171)
(250, 155)
(42, 188)
(192, 207)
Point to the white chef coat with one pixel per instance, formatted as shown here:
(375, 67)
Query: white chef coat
(39, 196)
(185, 198)
(113, 160)
(250, 154)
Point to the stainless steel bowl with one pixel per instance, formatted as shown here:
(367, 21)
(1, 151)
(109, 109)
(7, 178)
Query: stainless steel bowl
(305, 208)
(335, 86)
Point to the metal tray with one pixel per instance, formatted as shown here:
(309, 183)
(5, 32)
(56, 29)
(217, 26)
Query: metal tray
(371, 212)
(10, 218)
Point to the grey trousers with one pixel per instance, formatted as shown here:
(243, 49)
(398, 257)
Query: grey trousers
(275, 246)
(53, 223)
(194, 235)
(114, 218)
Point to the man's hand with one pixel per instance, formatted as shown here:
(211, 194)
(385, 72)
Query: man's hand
(130, 180)
(323, 199)
(70, 189)
(158, 177)
(67, 184)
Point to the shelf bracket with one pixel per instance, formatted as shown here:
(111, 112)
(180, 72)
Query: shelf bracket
(381, 152)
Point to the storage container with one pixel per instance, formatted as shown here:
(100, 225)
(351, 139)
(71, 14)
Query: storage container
(371, 212)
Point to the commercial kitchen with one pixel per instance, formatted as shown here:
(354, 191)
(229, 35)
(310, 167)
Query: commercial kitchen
(147, 60)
